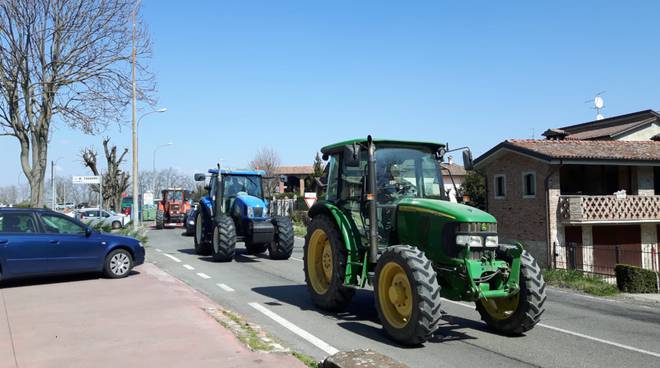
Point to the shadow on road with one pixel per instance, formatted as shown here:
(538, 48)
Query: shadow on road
(54, 279)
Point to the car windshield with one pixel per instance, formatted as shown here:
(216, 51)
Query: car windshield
(234, 184)
(407, 172)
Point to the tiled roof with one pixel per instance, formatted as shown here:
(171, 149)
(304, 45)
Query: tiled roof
(606, 128)
(589, 150)
(294, 170)
(456, 170)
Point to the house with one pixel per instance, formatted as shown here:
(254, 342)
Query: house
(295, 179)
(586, 197)
(452, 175)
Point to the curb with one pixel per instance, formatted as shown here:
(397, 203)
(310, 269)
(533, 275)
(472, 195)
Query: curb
(360, 358)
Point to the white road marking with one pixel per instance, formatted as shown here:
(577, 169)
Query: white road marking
(188, 267)
(295, 329)
(203, 275)
(577, 334)
(225, 287)
(297, 259)
(158, 250)
(172, 257)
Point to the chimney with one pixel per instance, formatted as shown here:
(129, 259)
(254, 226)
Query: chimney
(450, 160)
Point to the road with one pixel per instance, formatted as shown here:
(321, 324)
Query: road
(576, 330)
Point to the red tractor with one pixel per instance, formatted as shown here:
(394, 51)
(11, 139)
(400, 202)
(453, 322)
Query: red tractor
(173, 207)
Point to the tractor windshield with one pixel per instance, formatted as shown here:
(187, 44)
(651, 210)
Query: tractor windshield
(235, 184)
(407, 172)
(175, 196)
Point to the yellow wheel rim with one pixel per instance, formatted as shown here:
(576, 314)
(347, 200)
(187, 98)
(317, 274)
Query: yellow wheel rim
(501, 308)
(395, 295)
(319, 261)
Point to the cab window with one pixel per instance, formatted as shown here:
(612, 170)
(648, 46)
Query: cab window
(17, 223)
(54, 224)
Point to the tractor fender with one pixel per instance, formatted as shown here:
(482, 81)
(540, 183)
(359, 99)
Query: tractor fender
(206, 209)
(347, 228)
(161, 206)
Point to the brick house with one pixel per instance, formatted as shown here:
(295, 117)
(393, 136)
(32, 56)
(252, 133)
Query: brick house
(586, 197)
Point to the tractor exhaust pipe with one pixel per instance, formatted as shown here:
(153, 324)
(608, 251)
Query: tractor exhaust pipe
(371, 197)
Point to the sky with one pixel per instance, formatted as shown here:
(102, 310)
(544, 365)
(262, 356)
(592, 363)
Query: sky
(236, 76)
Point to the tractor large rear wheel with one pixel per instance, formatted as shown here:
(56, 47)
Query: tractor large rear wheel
(160, 219)
(521, 312)
(224, 239)
(407, 295)
(324, 263)
(282, 245)
(202, 244)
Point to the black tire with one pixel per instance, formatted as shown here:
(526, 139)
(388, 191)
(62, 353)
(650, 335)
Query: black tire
(337, 296)
(530, 304)
(116, 225)
(160, 219)
(255, 248)
(282, 245)
(118, 264)
(224, 240)
(425, 310)
(202, 244)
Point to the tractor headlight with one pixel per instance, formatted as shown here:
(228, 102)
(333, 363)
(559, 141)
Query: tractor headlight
(250, 212)
(492, 241)
(474, 241)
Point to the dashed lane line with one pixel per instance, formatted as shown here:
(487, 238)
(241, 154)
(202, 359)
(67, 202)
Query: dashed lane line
(297, 259)
(158, 250)
(329, 349)
(203, 275)
(172, 257)
(577, 334)
(225, 287)
(188, 267)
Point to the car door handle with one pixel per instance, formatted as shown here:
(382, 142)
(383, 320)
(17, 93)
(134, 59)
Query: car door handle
(54, 242)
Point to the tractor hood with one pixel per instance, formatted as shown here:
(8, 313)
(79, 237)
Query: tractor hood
(452, 211)
(250, 201)
(250, 206)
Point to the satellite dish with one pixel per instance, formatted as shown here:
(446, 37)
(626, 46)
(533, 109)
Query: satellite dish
(598, 102)
(600, 117)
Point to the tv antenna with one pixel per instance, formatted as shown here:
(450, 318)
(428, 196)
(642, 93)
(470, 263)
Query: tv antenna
(599, 104)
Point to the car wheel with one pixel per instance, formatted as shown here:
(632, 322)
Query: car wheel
(118, 264)
(116, 225)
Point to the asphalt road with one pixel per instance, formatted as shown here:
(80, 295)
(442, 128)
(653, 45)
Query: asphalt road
(575, 331)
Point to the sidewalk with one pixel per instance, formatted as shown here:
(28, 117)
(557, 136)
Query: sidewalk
(148, 319)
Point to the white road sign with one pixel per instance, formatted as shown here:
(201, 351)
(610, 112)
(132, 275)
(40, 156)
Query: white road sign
(86, 180)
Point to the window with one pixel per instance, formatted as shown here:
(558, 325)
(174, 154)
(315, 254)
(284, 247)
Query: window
(333, 171)
(500, 186)
(54, 224)
(17, 223)
(529, 184)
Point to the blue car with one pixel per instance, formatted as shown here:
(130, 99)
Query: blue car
(41, 242)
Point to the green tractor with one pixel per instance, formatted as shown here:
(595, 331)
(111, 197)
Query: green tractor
(386, 221)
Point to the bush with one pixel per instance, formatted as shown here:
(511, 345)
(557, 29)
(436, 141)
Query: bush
(631, 279)
(300, 217)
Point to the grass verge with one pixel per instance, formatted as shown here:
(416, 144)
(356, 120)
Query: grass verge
(576, 280)
(299, 230)
(306, 359)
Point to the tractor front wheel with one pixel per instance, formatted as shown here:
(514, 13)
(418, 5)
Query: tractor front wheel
(202, 245)
(521, 312)
(224, 239)
(282, 245)
(324, 263)
(160, 219)
(407, 295)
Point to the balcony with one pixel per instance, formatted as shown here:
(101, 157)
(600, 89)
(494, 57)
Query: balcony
(609, 209)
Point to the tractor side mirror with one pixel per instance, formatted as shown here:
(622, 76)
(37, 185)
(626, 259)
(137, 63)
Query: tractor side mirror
(467, 160)
(352, 155)
(200, 177)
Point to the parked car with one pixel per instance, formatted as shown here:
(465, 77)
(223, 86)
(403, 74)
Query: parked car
(92, 216)
(190, 220)
(41, 241)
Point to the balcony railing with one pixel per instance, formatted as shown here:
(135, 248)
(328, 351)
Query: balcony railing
(609, 208)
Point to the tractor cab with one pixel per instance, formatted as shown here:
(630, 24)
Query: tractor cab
(173, 207)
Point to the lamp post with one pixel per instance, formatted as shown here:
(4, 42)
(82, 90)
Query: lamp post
(52, 179)
(154, 162)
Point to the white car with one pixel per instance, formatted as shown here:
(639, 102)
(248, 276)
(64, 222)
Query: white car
(92, 216)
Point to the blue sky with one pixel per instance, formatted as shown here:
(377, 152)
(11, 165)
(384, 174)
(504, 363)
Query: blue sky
(296, 75)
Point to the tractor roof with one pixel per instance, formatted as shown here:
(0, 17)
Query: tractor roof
(238, 172)
(334, 148)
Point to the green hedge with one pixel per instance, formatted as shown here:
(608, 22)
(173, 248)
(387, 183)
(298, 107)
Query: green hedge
(631, 279)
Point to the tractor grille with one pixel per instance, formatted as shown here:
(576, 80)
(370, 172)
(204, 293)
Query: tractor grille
(175, 207)
(258, 211)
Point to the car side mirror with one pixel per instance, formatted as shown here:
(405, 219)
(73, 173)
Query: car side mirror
(352, 155)
(468, 164)
(88, 231)
(200, 177)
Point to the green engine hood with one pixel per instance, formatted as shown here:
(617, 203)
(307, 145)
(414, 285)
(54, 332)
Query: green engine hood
(452, 211)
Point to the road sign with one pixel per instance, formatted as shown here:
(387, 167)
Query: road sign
(86, 179)
(310, 199)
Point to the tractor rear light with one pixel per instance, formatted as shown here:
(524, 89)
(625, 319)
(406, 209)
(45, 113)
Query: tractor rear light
(492, 241)
(474, 241)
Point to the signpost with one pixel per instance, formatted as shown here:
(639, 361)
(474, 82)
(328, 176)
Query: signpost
(92, 179)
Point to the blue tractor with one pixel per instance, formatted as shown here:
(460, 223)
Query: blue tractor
(235, 210)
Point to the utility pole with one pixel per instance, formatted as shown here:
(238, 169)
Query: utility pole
(52, 179)
(136, 194)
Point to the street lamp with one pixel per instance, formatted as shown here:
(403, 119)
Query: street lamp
(52, 179)
(154, 162)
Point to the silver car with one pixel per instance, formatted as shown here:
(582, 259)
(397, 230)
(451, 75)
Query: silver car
(93, 216)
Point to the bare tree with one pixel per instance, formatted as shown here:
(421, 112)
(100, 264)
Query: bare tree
(67, 60)
(266, 159)
(115, 180)
(167, 178)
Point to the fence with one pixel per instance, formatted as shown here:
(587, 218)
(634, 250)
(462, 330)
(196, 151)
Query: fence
(282, 207)
(601, 259)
